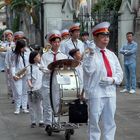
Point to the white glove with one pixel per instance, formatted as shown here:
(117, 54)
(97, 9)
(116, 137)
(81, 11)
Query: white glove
(44, 70)
(106, 81)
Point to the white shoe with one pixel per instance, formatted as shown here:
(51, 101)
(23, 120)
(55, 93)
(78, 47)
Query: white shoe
(25, 111)
(124, 90)
(17, 112)
(132, 91)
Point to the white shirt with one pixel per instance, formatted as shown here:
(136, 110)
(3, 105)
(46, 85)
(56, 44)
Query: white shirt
(69, 45)
(47, 58)
(11, 47)
(86, 44)
(79, 70)
(17, 63)
(36, 77)
(94, 70)
(63, 45)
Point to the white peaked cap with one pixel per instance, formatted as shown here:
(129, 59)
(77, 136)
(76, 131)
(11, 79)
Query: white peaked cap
(101, 28)
(8, 32)
(54, 34)
(64, 32)
(75, 26)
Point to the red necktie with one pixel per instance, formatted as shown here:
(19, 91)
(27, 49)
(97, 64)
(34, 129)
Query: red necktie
(54, 58)
(107, 65)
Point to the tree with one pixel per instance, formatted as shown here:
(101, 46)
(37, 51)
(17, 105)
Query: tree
(106, 5)
(29, 6)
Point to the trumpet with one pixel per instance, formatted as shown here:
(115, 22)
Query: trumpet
(21, 73)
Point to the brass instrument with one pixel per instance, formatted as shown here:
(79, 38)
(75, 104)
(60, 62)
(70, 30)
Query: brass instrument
(3, 49)
(21, 73)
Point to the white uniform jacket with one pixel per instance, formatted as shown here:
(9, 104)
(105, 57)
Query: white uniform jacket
(47, 58)
(69, 45)
(94, 70)
(35, 75)
(10, 48)
(63, 45)
(18, 63)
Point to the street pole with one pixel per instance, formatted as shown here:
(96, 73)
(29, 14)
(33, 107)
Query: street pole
(42, 23)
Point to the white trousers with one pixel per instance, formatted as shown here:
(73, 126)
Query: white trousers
(36, 110)
(102, 109)
(2, 61)
(47, 114)
(21, 97)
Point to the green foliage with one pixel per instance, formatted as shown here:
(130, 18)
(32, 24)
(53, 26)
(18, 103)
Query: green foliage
(29, 6)
(16, 23)
(1, 32)
(107, 5)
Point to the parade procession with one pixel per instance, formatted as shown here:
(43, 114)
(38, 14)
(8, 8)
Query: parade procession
(69, 70)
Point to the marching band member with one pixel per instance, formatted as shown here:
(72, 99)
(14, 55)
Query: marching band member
(10, 45)
(73, 42)
(47, 47)
(103, 72)
(18, 35)
(84, 38)
(65, 34)
(52, 55)
(3, 48)
(19, 62)
(76, 55)
(65, 37)
(34, 96)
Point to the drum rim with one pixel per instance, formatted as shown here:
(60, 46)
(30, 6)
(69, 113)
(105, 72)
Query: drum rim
(51, 97)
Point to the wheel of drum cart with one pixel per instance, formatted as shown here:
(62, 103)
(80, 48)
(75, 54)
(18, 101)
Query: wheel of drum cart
(49, 131)
(72, 131)
(67, 135)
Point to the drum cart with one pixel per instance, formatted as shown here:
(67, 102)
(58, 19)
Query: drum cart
(64, 87)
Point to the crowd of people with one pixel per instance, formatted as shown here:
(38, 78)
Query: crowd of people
(99, 72)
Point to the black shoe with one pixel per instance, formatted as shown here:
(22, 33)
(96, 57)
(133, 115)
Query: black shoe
(33, 125)
(47, 127)
(2, 70)
(41, 125)
(13, 101)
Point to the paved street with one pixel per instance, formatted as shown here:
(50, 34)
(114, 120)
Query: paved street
(17, 127)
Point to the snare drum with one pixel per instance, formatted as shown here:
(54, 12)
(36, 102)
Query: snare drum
(64, 88)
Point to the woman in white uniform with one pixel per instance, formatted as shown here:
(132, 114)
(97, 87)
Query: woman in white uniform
(19, 62)
(34, 85)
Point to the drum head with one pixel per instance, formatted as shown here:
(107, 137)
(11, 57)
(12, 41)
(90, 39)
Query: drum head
(63, 63)
(64, 87)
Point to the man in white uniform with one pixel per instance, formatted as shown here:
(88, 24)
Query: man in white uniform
(103, 72)
(48, 57)
(73, 42)
(65, 37)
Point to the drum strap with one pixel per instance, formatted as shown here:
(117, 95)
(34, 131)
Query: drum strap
(75, 44)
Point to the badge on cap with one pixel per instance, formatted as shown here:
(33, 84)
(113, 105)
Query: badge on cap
(101, 28)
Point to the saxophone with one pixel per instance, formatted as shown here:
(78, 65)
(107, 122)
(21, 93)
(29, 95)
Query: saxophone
(21, 73)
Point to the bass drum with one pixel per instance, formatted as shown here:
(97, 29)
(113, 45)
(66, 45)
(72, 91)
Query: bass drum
(64, 88)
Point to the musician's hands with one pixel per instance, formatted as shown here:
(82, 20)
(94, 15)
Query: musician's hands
(106, 81)
(16, 78)
(44, 70)
(81, 96)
